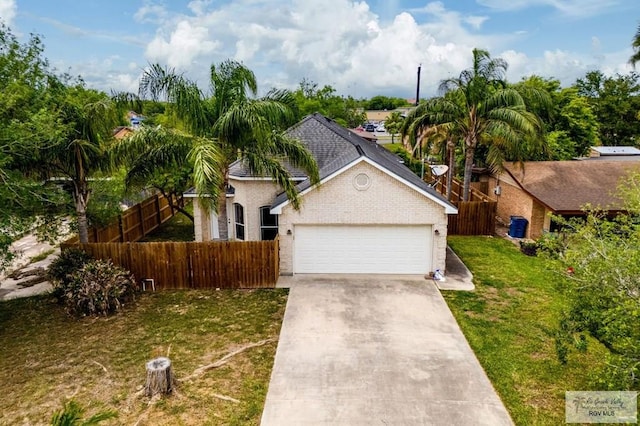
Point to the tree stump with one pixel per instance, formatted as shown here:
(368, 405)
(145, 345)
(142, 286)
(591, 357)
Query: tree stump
(159, 377)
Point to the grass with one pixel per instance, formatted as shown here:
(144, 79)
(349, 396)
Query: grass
(510, 321)
(46, 357)
(395, 147)
(41, 256)
(178, 228)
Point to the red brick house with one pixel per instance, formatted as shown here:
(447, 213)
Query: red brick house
(535, 190)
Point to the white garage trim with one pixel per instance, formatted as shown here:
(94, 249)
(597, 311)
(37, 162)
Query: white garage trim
(362, 249)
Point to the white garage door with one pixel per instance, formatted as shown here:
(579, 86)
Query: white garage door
(371, 249)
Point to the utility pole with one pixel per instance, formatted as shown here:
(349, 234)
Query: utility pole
(418, 86)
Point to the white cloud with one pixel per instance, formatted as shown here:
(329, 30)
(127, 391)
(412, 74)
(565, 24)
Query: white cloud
(341, 43)
(571, 8)
(564, 66)
(151, 12)
(337, 42)
(186, 42)
(476, 21)
(8, 10)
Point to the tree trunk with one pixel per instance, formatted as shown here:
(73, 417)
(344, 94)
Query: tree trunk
(223, 228)
(468, 167)
(159, 377)
(83, 223)
(451, 151)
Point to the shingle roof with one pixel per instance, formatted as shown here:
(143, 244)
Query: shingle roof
(566, 186)
(334, 147)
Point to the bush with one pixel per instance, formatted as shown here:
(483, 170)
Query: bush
(61, 269)
(530, 248)
(98, 288)
(71, 415)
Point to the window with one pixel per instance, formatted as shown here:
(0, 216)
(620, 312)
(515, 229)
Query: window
(239, 216)
(268, 224)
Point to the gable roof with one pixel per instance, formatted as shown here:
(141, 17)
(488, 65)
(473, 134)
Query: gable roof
(336, 148)
(567, 186)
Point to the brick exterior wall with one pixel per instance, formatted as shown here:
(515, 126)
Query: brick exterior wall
(386, 201)
(251, 194)
(513, 201)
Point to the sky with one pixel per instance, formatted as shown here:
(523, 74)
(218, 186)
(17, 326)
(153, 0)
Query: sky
(361, 48)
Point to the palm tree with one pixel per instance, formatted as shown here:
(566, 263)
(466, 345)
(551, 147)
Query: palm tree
(635, 44)
(89, 118)
(424, 133)
(163, 159)
(232, 124)
(481, 109)
(393, 124)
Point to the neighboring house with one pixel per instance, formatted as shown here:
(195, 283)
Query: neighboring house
(122, 132)
(618, 153)
(366, 135)
(535, 190)
(370, 214)
(376, 116)
(135, 119)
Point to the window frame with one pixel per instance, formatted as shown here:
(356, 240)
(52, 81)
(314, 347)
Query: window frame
(239, 225)
(267, 228)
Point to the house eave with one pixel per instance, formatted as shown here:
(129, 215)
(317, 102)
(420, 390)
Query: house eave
(262, 178)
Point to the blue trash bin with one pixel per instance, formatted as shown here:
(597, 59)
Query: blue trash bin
(518, 227)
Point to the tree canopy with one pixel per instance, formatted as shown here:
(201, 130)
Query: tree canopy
(479, 108)
(310, 98)
(230, 123)
(603, 257)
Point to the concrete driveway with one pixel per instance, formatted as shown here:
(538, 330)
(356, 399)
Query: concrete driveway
(375, 350)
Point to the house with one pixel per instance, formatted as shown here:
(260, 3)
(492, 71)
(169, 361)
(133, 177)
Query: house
(376, 116)
(369, 214)
(535, 190)
(122, 132)
(623, 153)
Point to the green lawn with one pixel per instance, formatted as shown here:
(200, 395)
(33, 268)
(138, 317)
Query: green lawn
(509, 321)
(178, 228)
(46, 356)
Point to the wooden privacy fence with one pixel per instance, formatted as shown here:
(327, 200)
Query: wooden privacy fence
(475, 217)
(134, 223)
(192, 265)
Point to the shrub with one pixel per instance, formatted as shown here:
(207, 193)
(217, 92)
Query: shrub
(98, 288)
(61, 269)
(530, 248)
(71, 415)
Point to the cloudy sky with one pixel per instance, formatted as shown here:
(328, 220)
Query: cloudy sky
(362, 48)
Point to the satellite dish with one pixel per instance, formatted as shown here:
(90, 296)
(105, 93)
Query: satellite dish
(439, 169)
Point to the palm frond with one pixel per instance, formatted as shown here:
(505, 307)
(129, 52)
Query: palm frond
(297, 155)
(208, 169)
(272, 167)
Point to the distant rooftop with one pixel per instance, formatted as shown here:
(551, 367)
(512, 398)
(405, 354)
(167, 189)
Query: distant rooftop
(598, 151)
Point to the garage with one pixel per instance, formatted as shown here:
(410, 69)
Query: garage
(362, 249)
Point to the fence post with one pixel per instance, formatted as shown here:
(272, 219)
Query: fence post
(120, 228)
(141, 218)
(158, 212)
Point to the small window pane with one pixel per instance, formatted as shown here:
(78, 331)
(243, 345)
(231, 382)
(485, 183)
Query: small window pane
(239, 221)
(269, 234)
(266, 218)
(268, 224)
